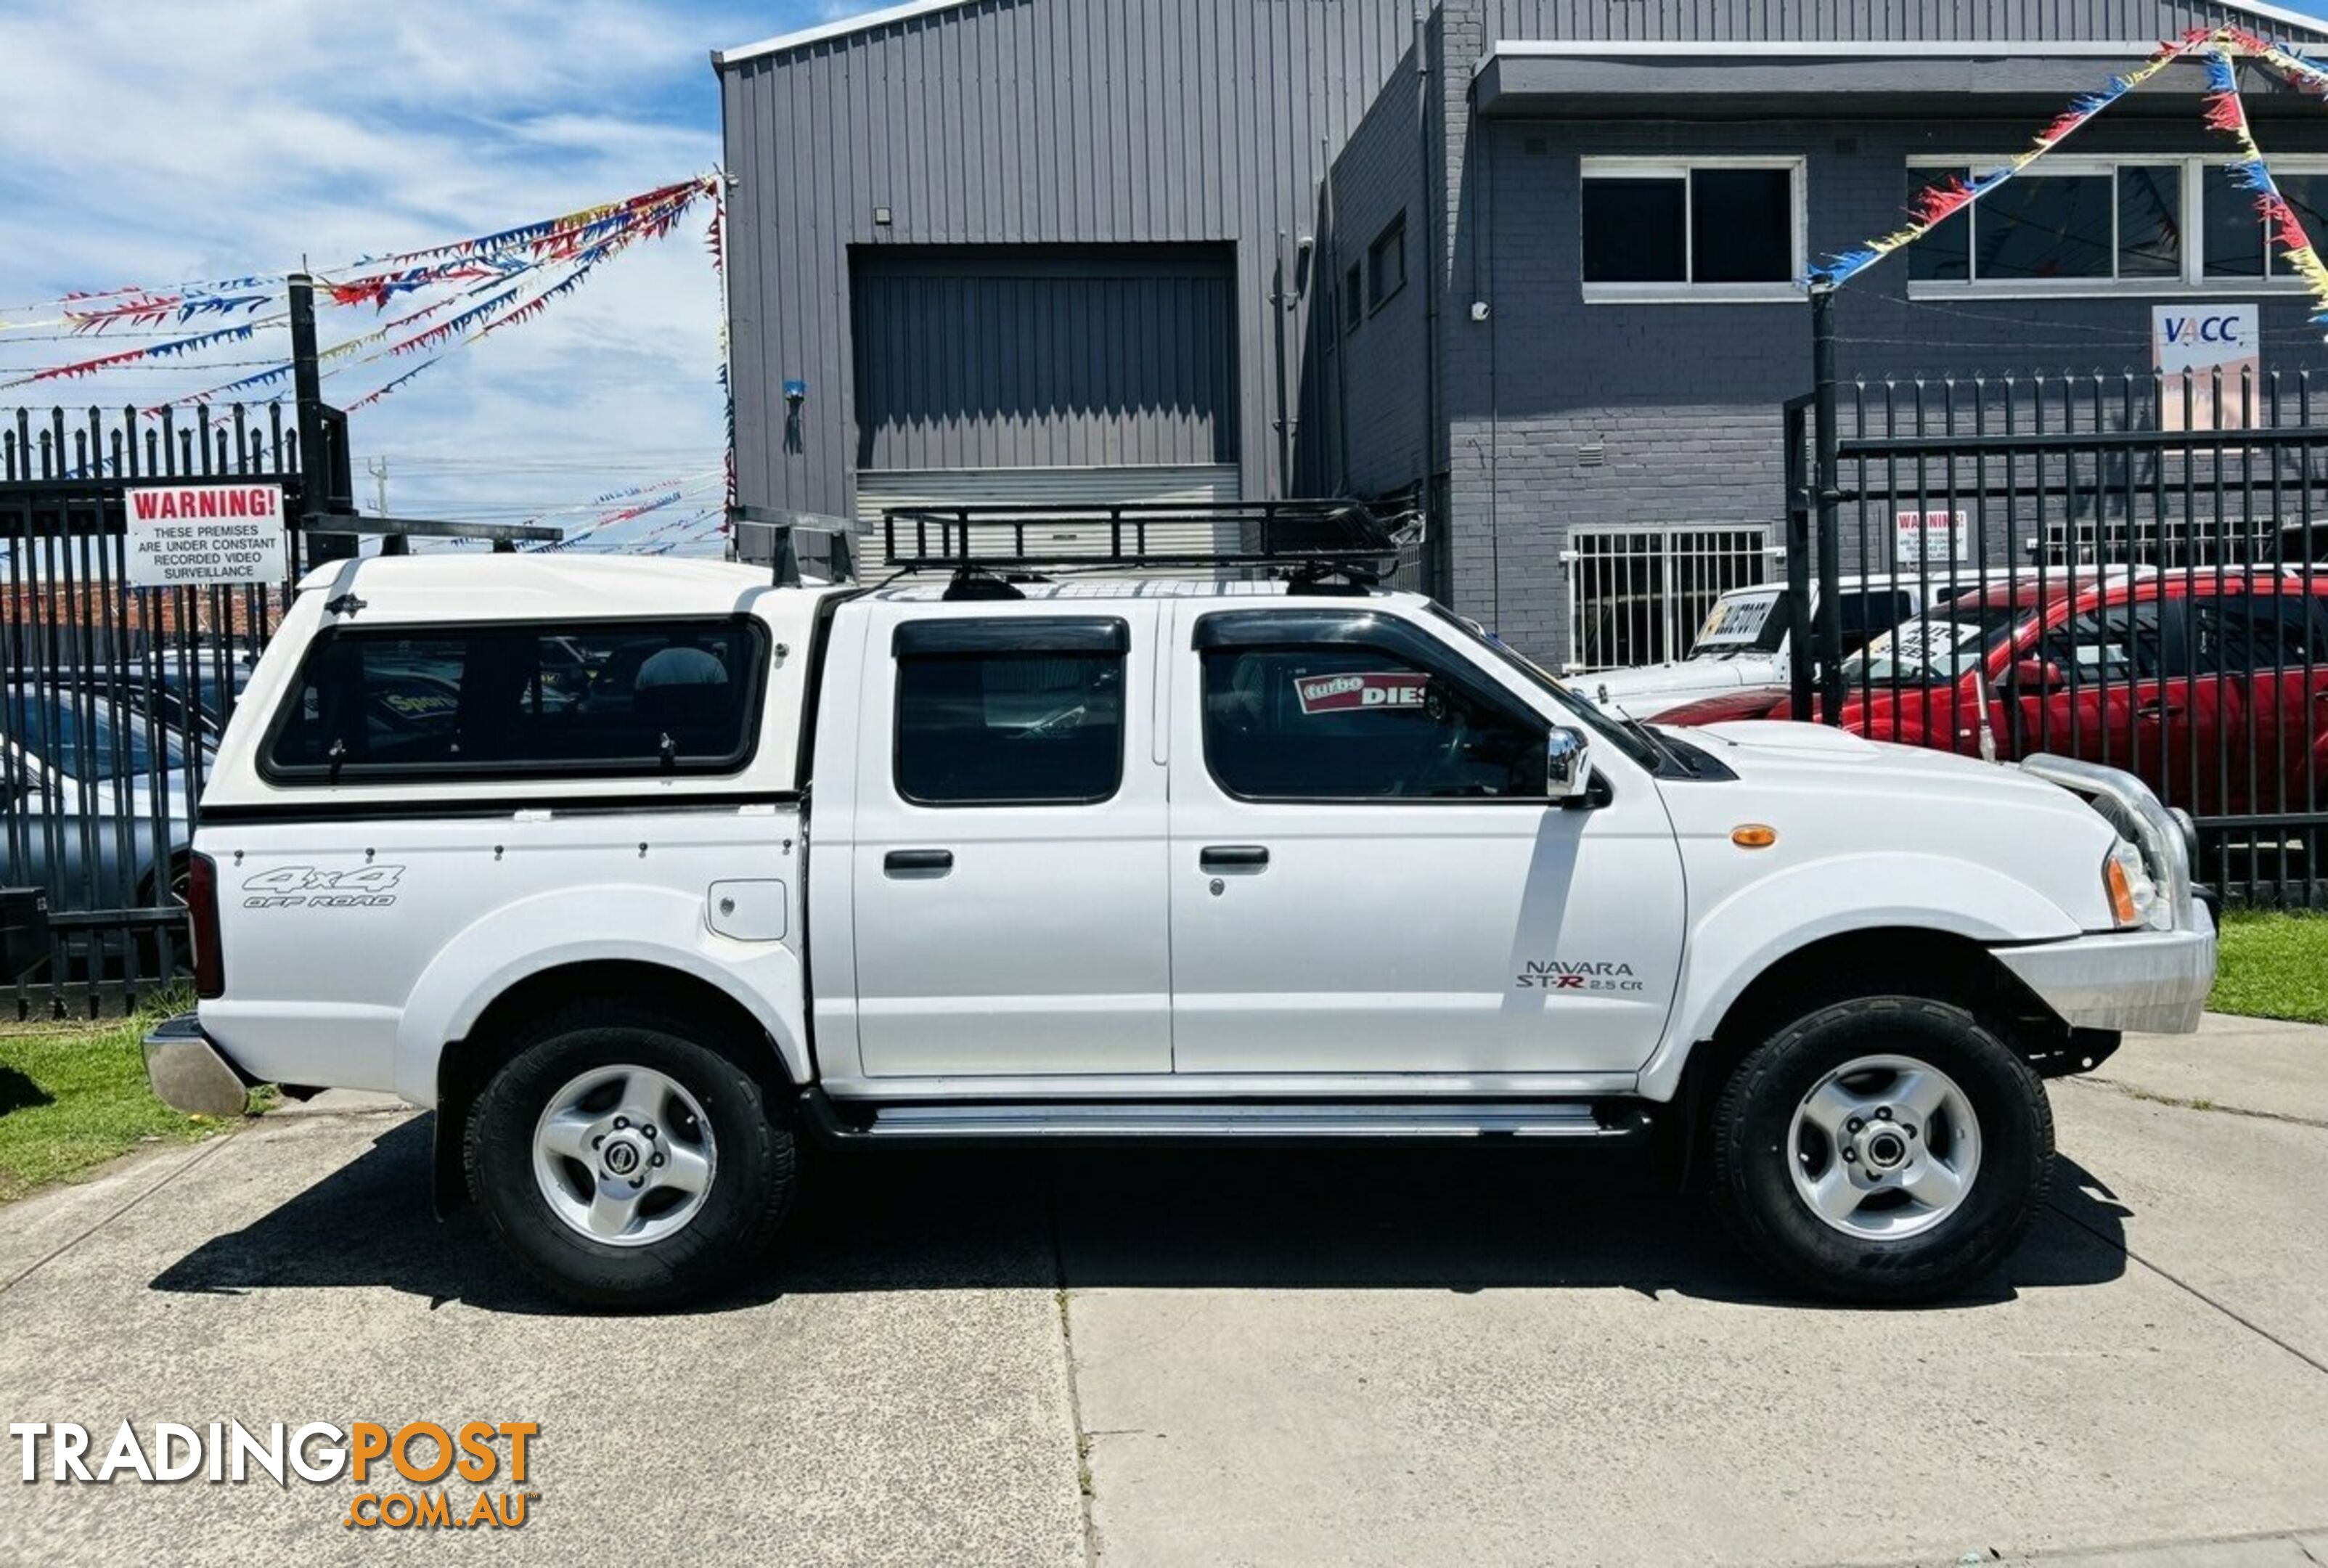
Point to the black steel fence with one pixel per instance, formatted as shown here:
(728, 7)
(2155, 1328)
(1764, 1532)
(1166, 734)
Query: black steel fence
(112, 695)
(2128, 568)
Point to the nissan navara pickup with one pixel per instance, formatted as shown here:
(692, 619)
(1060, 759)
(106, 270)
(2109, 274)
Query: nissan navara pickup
(645, 874)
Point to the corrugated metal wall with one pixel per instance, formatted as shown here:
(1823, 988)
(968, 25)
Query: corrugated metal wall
(1027, 122)
(1024, 357)
(1859, 19)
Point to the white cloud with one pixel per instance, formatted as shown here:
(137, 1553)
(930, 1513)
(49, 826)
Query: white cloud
(154, 141)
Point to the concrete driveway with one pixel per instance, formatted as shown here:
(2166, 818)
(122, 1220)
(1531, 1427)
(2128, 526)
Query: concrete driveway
(1409, 1357)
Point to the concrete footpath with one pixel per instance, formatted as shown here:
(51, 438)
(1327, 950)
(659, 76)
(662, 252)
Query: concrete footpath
(1404, 1356)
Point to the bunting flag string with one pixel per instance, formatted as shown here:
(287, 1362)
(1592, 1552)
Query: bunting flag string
(461, 260)
(662, 493)
(170, 350)
(2226, 112)
(1936, 204)
(718, 241)
(512, 251)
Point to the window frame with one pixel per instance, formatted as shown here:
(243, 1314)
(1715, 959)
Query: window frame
(1690, 292)
(1394, 231)
(2193, 281)
(309, 775)
(1343, 631)
(1015, 636)
(1354, 302)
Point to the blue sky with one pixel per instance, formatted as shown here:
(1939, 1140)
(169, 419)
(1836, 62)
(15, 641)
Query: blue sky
(153, 141)
(150, 142)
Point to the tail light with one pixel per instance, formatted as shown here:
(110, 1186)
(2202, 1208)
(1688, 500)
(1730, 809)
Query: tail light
(202, 906)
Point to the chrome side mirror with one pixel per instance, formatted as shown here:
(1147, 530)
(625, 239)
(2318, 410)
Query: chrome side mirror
(1568, 763)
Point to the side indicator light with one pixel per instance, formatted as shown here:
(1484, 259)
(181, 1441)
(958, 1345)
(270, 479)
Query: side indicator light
(1753, 836)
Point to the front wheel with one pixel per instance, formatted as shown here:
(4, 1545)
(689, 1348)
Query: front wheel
(626, 1164)
(1885, 1148)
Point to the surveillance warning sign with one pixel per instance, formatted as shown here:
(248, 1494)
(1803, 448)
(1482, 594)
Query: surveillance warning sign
(187, 536)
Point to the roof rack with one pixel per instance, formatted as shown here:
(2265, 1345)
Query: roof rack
(1310, 542)
(839, 561)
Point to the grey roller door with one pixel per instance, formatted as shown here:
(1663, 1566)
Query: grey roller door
(987, 357)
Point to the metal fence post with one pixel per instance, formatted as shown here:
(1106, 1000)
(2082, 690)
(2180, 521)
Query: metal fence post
(314, 462)
(1828, 643)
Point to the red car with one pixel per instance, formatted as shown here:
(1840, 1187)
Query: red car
(2212, 686)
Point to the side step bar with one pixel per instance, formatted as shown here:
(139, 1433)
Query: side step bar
(1119, 1121)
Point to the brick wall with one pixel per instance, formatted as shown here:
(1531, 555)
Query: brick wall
(1684, 400)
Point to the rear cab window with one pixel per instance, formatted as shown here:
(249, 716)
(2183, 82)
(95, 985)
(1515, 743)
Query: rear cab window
(532, 699)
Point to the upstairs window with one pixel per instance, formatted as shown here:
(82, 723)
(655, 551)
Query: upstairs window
(2144, 224)
(1386, 264)
(1721, 228)
(536, 701)
(1354, 297)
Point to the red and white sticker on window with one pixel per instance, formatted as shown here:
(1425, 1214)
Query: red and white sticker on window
(1348, 692)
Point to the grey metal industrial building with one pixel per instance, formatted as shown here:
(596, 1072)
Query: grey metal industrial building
(1528, 261)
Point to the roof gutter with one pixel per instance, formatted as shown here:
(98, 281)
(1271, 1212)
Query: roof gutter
(871, 21)
(1825, 48)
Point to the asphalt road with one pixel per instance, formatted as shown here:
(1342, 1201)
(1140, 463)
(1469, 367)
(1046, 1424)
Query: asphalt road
(1410, 1356)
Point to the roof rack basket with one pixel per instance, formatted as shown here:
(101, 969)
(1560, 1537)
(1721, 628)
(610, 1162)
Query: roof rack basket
(1300, 539)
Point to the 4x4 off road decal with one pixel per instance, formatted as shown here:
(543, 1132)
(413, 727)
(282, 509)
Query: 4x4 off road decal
(306, 887)
(1346, 693)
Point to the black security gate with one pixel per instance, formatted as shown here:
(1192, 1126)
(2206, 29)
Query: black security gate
(112, 697)
(2101, 566)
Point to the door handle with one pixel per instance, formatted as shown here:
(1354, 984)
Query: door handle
(1232, 857)
(901, 861)
(2159, 710)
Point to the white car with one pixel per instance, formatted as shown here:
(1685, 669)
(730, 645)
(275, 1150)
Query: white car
(1153, 858)
(1746, 644)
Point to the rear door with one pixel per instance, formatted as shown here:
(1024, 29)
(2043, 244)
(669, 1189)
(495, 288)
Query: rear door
(1008, 864)
(2130, 690)
(2272, 648)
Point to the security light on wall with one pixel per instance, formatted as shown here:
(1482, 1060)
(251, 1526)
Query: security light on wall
(795, 394)
(1478, 310)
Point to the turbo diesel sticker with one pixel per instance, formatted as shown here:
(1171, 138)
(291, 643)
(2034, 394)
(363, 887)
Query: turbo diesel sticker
(1348, 692)
(306, 887)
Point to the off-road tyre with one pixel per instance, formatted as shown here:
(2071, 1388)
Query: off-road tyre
(1752, 1129)
(749, 1193)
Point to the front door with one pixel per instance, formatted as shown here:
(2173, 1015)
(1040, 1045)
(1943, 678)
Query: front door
(1366, 876)
(2124, 691)
(1007, 869)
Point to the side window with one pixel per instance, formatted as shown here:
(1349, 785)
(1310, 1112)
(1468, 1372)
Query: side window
(2119, 642)
(1010, 711)
(2258, 632)
(534, 701)
(1357, 724)
(1869, 611)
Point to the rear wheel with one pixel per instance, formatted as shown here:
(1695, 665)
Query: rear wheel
(1885, 1148)
(625, 1162)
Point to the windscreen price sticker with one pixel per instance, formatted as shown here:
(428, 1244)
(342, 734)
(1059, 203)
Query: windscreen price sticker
(1350, 692)
(188, 536)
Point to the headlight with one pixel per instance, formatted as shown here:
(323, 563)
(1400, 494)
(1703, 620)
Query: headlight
(2133, 894)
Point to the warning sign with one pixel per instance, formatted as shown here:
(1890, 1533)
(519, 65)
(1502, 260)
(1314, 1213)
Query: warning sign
(1345, 693)
(182, 536)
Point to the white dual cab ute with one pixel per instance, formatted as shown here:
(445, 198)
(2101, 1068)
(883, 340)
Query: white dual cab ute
(644, 874)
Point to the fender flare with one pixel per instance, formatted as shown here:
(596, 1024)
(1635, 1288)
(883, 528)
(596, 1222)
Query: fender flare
(517, 940)
(1737, 940)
